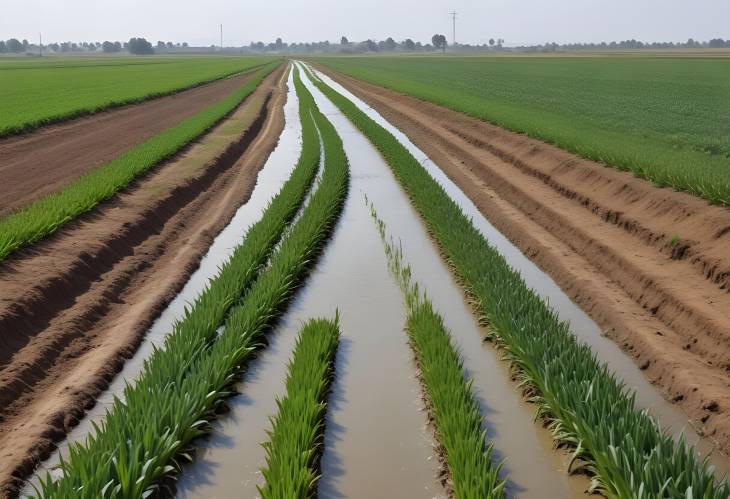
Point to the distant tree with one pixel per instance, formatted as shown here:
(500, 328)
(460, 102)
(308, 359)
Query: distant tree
(14, 45)
(371, 45)
(108, 47)
(390, 44)
(491, 41)
(344, 41)
(139, 46)
(25, 44)
(161, 44)
(279, 44)
(3, 47)
(717, 43)
(170, 45)
(185, 44)
(439, 42)
(409, 45)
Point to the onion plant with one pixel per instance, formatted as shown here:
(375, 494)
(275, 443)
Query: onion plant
(297, 436)
(581, 400)
(46, 215)
(142, 437)
(455, 410)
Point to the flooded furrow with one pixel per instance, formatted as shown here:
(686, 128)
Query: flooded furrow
(672, 418)
(535, 470)
(377, 443)
(271, 177)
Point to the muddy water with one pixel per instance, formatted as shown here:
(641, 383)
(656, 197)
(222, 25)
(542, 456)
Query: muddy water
(535, 470)
(377, 442)
(670, 417)
(271, 177)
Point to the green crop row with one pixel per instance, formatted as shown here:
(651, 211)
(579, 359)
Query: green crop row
(48, 214)
(142, 437)
(45, 91)
(455, 411)
(297, 437)
(584, 403)
(664, 119)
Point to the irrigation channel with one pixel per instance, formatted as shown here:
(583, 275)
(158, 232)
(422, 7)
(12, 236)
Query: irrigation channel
(378, 442)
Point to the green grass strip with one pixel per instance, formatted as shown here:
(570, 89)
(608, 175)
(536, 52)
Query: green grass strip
(586, 406)
(48, 214)
(653, 117)
(455, 411)
(297, 437)
(142, 438)
(45, 94)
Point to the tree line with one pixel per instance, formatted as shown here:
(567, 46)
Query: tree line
(626, 44)
(440, 43)
(141, 46)
(138, 46)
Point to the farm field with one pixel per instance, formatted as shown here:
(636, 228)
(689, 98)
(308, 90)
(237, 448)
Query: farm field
(50, 90)
(46, 215)
(345, 277)
(666, 119)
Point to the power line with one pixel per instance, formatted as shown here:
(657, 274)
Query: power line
(453, 37)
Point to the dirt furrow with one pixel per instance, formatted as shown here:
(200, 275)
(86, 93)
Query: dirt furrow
(43, 161)
(649, 265)
(112, 272)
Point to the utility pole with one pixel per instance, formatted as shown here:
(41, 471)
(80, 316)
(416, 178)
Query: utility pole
(453, 37)
(40, 45)
(221, 38)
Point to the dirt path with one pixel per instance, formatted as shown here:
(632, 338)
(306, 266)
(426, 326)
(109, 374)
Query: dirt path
(76, 305)
(41, 162)
(650, 265)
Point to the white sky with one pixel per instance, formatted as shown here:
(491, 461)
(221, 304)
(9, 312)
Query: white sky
(517, 21)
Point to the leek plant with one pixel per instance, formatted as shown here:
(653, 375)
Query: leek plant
(46, 215)
(143, 436)
(453, 407)
(582, 401)
(297, 437)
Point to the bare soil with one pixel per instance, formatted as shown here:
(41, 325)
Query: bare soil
(76, 305)
(43, 161)
(650, 265)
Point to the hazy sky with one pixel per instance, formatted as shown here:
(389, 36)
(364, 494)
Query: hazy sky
(517, 21)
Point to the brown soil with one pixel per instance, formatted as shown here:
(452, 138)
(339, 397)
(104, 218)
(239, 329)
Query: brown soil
(41, 162)
(651, 266)
(75, 306)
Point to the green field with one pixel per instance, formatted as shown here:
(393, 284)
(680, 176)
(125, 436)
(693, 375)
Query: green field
(666, 119)
(39, 91)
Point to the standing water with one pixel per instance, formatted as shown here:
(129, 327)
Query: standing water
(377, 443)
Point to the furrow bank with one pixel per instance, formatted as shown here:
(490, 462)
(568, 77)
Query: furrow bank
(127, 260)
(649, 265)
(42, 162)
